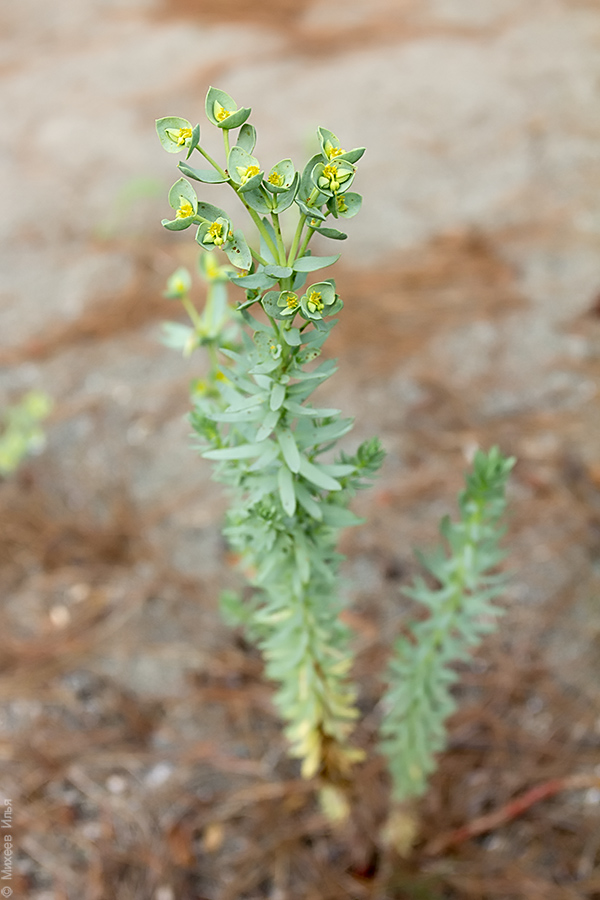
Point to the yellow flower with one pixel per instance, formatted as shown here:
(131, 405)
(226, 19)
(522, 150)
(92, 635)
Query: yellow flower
(214, 235)
(185, 209)
(247, 172)
(314, 302)
(220, 112)
(182, 135)
(332, 151)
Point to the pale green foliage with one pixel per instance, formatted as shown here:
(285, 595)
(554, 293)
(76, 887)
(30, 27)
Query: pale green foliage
(21, 433)
(287, 507)
(254, 418)
(461, 610)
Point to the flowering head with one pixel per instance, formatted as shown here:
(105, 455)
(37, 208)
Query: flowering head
(179, 284)
(317, 297)
(182, 198)
(333, 177)
(245, 173)
(211, 270)
(180, 135)
(222, 110)
(216, 233)
(332, 149)
(185, 209)
(281, 177)
(288, 303)
(244, 169)
(175, 134)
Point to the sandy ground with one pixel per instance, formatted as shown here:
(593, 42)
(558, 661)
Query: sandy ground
(138, 740)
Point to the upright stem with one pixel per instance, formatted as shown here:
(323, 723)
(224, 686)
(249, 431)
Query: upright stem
(280, 244)
(306, 241)
(258, 257)
(214, 164)
(191, 311)
(259, 224)
(296, 241)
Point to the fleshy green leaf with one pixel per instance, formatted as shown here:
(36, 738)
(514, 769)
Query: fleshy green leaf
(256, 281)
(247, 137)
(174, 133)
(242, 451)
(182, 190)
(332, 233)
(207, 176)
(258, 200)
(277, 395)
(237, 250)
(292, 336)
(285, 482)
(269, 303)
(305, 500)
(278, 272)
(269, 422)
(289, 450)
(311, 212)
(312, 263)
(317, 476)
(194, 141)
(211, 213)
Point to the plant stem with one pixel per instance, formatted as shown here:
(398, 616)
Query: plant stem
(214, 164)
(306, 241)
(191, 311)
(280, 244)
(259, 224)
(296, 241)
(258, 257)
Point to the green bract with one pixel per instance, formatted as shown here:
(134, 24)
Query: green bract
(222, 110)
(315, 302)
(182, 198)
(275, 451)
(281, 177)
(247, 138)
(333, 178)
(345, 205)
(175, 134)
(332, 149)
(208, 176)
(244, 170)
(214, 234)
(289, 303)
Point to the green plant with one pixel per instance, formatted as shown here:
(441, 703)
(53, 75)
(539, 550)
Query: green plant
(290, 494)
(20, 432)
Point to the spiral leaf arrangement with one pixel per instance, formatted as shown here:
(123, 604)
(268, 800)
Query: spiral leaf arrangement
(289, 491)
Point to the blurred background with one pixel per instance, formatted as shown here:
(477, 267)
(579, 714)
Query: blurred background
(137, 739)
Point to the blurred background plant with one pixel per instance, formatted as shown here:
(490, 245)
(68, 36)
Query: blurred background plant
(21, 431)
